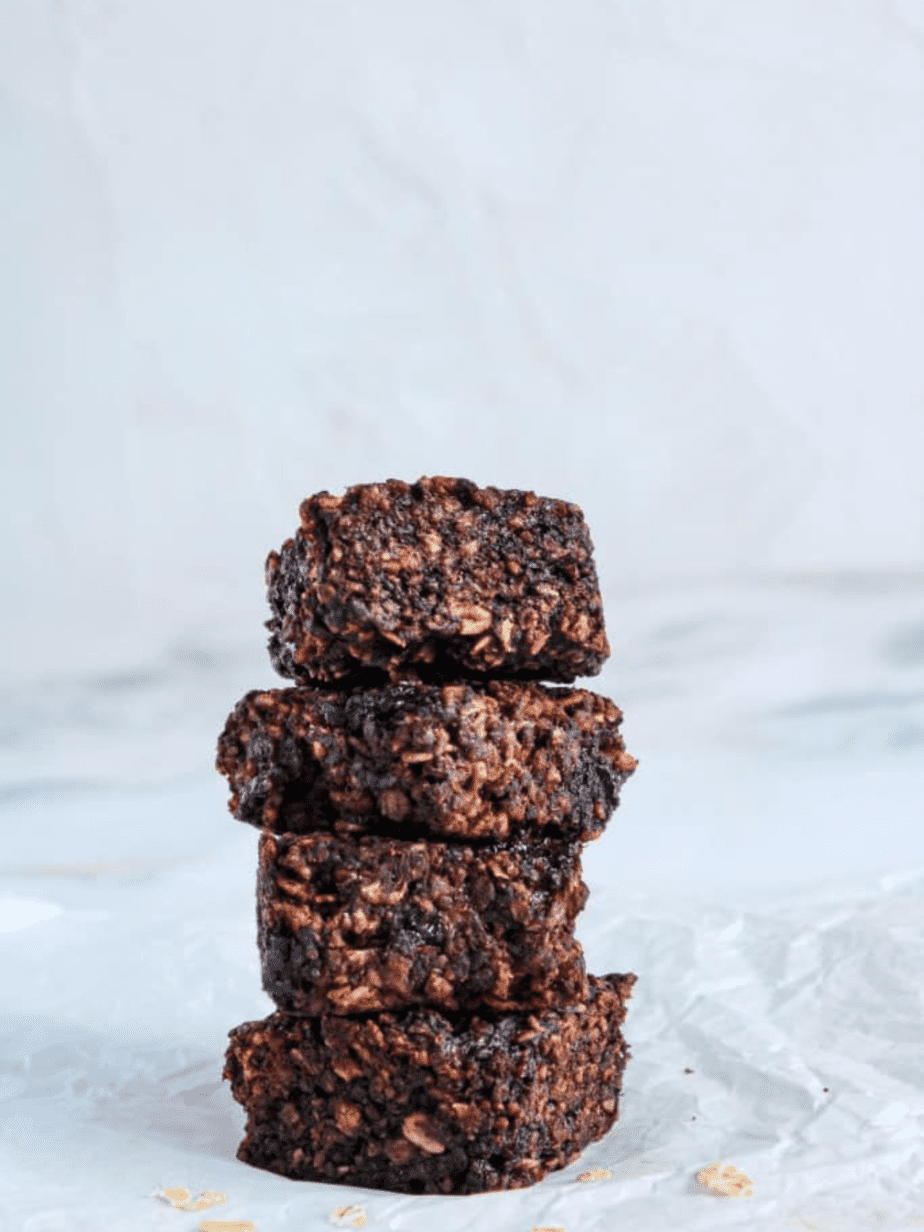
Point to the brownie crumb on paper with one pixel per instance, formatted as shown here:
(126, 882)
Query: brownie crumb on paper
(596, 1174)
(725, 1181)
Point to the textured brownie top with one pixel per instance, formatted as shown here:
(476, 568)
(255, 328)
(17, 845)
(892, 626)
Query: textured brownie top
(420, 1102)
(349, 925)
(439, 578)
(468, 760)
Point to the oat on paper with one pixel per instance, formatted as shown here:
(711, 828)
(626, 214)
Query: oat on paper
(181, 1199)
(596, 1174)
(725, 1180)
(349, 1217)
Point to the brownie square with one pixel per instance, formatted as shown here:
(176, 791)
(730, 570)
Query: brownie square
(346, 926)
(422, 1102)
(440, 578)
(470, 760)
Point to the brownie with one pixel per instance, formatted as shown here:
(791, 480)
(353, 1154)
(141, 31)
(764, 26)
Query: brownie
(348, 925)
(471, 760)
(438, 578)
(423, 1102)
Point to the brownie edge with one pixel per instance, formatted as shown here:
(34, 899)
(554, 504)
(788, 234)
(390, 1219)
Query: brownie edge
(422, 1102)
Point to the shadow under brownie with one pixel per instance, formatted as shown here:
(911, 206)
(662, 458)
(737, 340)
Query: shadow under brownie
(422, 1102)
(467, 760)
(438, 576)
(347, 925)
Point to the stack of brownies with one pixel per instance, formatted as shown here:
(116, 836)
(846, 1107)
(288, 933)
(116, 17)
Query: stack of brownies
(423, 802)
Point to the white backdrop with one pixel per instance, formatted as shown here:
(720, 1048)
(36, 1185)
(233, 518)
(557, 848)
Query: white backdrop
(665, 259)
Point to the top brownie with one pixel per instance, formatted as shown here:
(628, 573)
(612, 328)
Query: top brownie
(437, 579)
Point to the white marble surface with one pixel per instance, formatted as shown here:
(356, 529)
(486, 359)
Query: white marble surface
(764, 877)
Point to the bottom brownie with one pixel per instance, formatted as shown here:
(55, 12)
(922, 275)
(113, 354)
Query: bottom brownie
(423, 1102)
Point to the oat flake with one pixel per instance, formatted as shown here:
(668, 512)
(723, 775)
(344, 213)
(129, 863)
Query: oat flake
(176, 1197)
(227, 1225)
(349, 1217)
(726, 1181)
(179, 1199)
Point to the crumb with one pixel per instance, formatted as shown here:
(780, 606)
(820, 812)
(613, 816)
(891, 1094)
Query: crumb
(349, 1217)
(596, 1174)
(694, 1118)
(549, 1228)
(825, 1089)
(227, 1225)
(179, 1199)
(688, 1071)
(725, 1180)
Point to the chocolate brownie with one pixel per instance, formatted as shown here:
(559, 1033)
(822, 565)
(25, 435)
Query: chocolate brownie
(438, 578)
(347, 925)
(485, 760)
(422, 1102)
